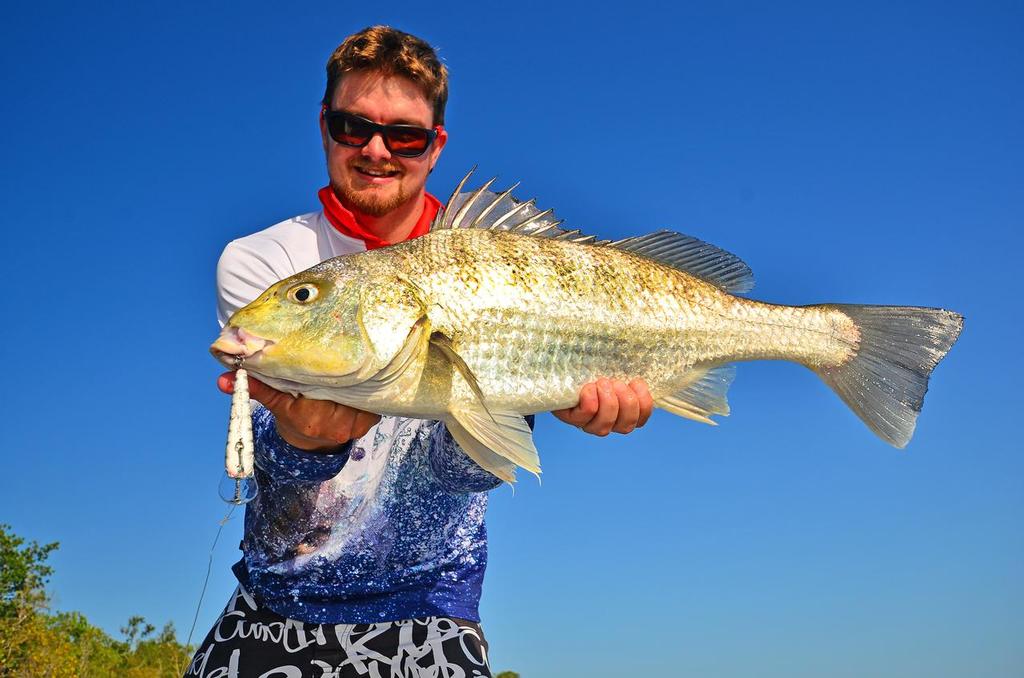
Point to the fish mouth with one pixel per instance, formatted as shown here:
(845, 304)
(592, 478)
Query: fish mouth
(235, 346)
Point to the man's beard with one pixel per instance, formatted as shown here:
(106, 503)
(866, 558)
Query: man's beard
(371, 202)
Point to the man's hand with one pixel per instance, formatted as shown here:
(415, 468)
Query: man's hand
(607, 406)
(312, 425)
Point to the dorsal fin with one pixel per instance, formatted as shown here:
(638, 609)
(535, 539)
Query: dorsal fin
(694, 256)
(488, 210)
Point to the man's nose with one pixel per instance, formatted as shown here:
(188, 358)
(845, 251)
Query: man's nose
(375, 148)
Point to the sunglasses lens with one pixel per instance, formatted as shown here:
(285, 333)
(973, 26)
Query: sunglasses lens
(411, 141)
(349, 130)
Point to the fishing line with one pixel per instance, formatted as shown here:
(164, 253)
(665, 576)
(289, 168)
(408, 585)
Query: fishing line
(238, 471)
(206, 580)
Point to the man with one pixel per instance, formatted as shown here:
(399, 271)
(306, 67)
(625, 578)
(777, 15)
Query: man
(366, 546)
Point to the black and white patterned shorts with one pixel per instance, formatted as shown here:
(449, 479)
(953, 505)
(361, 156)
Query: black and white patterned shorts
(248, 642)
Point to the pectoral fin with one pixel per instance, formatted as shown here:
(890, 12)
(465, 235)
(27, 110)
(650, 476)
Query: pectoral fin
(442, 343)
(497, 441)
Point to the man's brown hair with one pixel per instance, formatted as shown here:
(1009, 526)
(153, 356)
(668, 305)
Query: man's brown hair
(391, 52)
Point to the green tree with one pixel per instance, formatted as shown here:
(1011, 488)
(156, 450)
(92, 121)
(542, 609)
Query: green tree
(137, 629)
(163, 655)
(27, 648)
(37, 644)
(23, 569)
(94, 653)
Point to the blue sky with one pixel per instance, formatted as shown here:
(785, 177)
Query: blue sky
(869, 153)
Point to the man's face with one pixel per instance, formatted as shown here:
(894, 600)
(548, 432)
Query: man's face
(370, 179)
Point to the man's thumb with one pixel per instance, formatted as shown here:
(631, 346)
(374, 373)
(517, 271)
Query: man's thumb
(226, 382)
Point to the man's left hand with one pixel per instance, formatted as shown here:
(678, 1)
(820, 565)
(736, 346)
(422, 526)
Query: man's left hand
(609, 405)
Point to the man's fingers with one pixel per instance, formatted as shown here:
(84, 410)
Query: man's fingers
(364, 422)
(584, 411)
(338, 425)
(644, 400)
(588, 406)
(325, 423)
(607, 410)
(606, 406)
(307, 424)
(629, 408)
(274, 400)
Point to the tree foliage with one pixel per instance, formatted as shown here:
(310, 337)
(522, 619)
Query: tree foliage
(38, 643)
(22, 568)
(35, 643)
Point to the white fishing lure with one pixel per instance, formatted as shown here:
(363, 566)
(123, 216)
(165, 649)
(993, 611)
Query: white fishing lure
(238, 456)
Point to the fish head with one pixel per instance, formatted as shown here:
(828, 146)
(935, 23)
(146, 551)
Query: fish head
(303, 330)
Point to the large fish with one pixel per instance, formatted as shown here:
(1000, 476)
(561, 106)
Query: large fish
(498, 313)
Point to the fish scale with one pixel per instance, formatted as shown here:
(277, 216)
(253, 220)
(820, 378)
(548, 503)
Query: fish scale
(498, 312)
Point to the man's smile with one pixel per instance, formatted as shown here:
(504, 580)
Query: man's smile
(376, 175)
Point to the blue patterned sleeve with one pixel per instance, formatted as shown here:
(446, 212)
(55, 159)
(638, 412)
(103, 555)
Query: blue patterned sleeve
(286, 463)
(454, 469)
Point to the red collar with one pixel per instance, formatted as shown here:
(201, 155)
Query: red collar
(346, 223)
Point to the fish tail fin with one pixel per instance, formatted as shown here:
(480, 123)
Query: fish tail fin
(885, 379)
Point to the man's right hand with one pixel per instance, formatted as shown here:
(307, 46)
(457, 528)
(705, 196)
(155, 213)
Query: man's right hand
(312, 425)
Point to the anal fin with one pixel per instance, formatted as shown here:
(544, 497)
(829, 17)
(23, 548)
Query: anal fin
(702, 396)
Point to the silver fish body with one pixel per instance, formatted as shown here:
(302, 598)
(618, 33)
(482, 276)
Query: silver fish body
(498, 313)
(535, 319)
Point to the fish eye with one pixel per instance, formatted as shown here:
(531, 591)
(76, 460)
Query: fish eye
(304, 293)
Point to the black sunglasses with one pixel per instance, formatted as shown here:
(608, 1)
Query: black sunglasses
(407, 141)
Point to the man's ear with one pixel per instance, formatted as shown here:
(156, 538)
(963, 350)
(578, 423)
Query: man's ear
(437, 147)
(323, 128)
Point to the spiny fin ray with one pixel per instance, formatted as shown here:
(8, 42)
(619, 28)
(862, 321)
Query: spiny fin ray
(485, 209)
